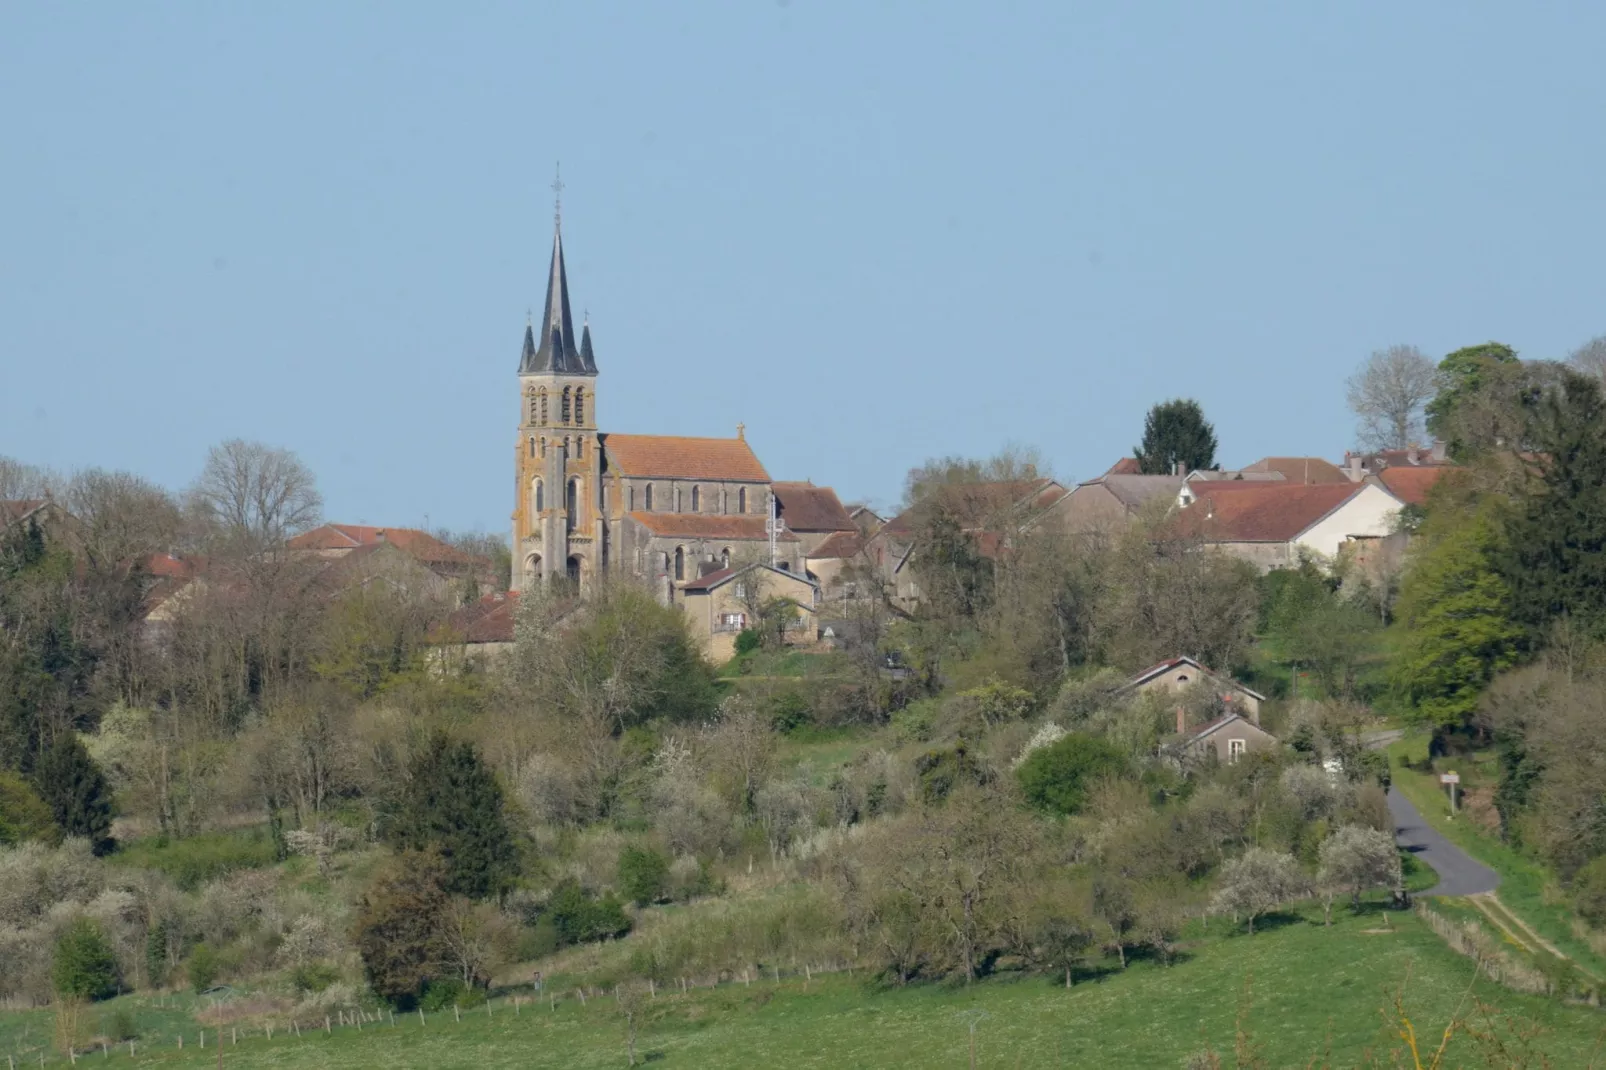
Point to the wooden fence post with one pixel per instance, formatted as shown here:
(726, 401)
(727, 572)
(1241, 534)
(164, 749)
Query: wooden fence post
(326, 1027)
(420, 1016)
(457, 1013)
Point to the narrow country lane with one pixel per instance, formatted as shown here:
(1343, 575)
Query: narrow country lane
(1459, 873)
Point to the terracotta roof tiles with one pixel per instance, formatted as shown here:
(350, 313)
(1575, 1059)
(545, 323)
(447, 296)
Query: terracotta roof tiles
(1262, 512)
(839, 544)
(418, 544)
(1301, 469)
(806, 507)
(706, 526)
(1412, 485)
(673, 457)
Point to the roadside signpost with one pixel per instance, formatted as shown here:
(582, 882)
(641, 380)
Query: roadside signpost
(1451, 781)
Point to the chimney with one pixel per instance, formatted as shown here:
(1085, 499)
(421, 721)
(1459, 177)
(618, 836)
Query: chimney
(380, 534)
(1182, 721)
(1438, 453)
(1355, 467)
(1176, 468)
(1411, 454)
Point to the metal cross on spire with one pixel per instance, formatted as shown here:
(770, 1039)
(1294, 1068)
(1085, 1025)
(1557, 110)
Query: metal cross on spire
(557, 195)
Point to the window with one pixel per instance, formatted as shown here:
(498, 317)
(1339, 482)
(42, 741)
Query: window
(732, 622)
(675, 493)
(540, 496)
(572, 506)
(580, 406)
(741, 590)
(532, 447)
(1235, 750)
(580, 448)
(540, 397)
(649, 497)
(568, 405)
(680, 562)
(630, 498)
(725, 558)
(697, 499)
(741, 500)
(534, 408)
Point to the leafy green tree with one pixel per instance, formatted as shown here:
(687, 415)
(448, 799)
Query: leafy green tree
(202, 967)
(580, 918)
(1309, 627)
(643, 874)
(1554, 558)
(1453, 623)
(84, 966)
(75, 789)
(453, 803)
(23, 815)
(955, 578)
(399, 929)
(1175, 432)
(1463, 375)
(1059, 777)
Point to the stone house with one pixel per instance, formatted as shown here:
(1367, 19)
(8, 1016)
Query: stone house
(1177, 675)
(1272, 525)
(335, 542)
(721, 604)
(475, 634)
(1111, 502)
(1227, 738)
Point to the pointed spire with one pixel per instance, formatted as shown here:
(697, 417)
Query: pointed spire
(588, 359)
(557, 352)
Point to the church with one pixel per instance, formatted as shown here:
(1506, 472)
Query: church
(663, 509)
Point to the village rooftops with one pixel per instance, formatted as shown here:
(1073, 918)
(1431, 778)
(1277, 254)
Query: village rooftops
(808, 508)
(671, 457)
(1233, 511)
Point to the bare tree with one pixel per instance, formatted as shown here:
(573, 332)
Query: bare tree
(1387, 395)
(121, 516)
(1590, 358)
(256, 495)
(19, 480)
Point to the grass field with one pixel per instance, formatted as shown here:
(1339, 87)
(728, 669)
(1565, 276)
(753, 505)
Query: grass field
(1313, 994)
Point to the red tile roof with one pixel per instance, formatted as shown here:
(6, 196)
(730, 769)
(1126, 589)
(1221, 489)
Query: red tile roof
(1413, 484)
(838, 544)
(490, 620)
(672, 457)
(706, 526)
(1126, 466)
(420, 545)
(709, 580)
(1301, 469)
(1246, 511)
(806, 507)
(166, 566)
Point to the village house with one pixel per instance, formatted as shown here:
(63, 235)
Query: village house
(1112, 502)
(721, 605)
(352, 543)
(1182, 674)
(1275, 525)
(1227, 739)
(475, 634)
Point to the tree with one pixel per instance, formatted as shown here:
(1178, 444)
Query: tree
(1387, 395)
(1453, 620)
(399, 926)
(453, 804)
(1059, 776)
(84, 966)
(1258, 882)
(1309, 626)
(1176, 432)
(643, 874)
(1590, 359)
(1554, 558)
(1467, 377)
(256, 495)
(1354, 859)
(72, 785)
(23, 815)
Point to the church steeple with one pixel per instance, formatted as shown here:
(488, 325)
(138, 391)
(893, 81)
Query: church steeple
(556, 352)
(588, 359)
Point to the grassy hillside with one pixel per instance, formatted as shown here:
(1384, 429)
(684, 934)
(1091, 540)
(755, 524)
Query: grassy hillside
(1313, 994)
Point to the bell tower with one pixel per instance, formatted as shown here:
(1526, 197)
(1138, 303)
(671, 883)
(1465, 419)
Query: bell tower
(558, 525)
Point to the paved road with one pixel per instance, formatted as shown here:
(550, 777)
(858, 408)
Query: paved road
(1458, 873)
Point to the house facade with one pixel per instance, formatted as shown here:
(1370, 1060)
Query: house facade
(721, 605)
(1273, 525)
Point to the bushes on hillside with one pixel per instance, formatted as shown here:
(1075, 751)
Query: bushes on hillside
(398, 929)
(1059, 776)
(643, 875)
(578, 917)
(84, 966)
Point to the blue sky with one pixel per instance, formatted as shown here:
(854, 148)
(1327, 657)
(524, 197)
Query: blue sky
(874, 232)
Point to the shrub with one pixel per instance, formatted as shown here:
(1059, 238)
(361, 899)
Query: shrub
(84, 966)
(449, 992)
(643, 874)
(791, 712)
(941, 771)
(313, 977)
(580, 918)
(1589, 892)
(200, 860)
(1058, 777)
(119, 1025)
(398, 930)
(201, 967)
(23, 815)
(748, 640)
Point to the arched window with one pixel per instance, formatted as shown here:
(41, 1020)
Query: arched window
(649, 497)
(540, 495)
(543, 445)
(532, 446)
(580, 447)
(680, 562)
(573, 504)
(540, 398)
(725, 558)
(697, 499)
(568, 405)
(724, 500)
(534, 408)
(741, 500)
(580, 406)
(630, 498)
(674, 493)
